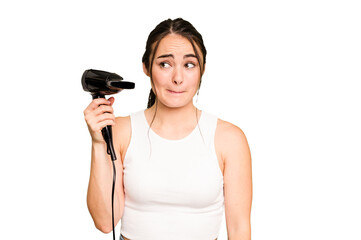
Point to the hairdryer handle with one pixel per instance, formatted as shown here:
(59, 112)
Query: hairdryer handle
(107, 135)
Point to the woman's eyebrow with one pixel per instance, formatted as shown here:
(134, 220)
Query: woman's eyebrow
(166, 55)
(172, 56)
(190, 55)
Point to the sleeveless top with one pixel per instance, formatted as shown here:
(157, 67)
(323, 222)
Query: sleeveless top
(173, 188)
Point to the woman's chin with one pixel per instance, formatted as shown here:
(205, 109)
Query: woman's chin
(176, 104)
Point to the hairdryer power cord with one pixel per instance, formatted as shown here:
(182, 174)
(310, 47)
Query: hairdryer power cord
(113, 186)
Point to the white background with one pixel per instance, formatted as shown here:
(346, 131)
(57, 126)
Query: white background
(286, 72)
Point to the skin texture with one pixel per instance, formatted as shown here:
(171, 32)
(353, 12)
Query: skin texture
(174, 69)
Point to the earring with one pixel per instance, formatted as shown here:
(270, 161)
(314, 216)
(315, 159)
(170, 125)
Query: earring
(197, 95)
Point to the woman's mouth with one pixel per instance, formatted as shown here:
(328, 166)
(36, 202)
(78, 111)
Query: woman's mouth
(174, 92)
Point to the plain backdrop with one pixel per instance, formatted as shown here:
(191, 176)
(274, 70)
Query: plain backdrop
(286, 72)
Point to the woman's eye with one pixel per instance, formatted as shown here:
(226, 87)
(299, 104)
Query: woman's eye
(190, 65)
(164, 65)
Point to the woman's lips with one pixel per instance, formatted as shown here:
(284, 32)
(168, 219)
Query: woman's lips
(174, 92)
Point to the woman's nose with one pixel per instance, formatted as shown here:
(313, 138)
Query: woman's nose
(177, 76)
(177, 81)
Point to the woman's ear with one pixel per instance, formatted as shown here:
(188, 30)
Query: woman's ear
(145, 70)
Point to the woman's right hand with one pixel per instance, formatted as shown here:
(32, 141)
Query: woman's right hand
(97, 115)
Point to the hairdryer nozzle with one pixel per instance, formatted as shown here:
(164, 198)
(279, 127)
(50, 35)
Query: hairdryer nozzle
(120, 84)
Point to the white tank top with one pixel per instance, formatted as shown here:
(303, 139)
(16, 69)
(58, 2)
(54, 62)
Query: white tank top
(173, 188)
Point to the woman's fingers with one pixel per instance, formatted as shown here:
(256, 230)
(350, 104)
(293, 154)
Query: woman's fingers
(98, 114)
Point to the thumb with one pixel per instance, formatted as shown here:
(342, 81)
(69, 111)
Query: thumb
(111, 100)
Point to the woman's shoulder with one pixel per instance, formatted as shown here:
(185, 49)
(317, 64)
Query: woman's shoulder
(125, 121)
(227, 129)
(230, 142)
(122, 120)
(224, 128)
(229, 135)
(122, 132)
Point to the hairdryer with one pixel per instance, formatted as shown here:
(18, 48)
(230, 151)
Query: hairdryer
(100, 83)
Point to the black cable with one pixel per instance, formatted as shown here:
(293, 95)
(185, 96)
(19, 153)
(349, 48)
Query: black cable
(113, 187)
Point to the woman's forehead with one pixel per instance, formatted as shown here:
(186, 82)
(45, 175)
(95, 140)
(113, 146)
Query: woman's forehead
(174, 44)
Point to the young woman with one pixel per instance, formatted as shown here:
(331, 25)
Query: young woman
(178, 167)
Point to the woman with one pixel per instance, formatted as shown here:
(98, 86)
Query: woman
(178, 167)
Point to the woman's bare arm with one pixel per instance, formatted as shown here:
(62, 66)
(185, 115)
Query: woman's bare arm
(101, 173)
(237, 180)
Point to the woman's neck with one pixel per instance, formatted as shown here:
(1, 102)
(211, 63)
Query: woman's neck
(176, 119)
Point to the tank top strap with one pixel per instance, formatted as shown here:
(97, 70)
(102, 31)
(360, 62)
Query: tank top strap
(208, 125)
(137, 121)
(139, 136)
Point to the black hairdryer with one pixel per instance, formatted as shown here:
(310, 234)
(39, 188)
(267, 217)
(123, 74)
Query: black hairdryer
(101, 83)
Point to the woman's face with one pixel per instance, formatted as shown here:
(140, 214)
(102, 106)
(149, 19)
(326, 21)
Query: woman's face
(175, 71)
